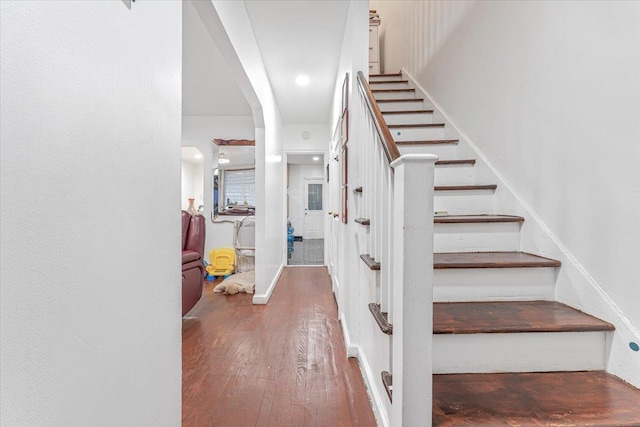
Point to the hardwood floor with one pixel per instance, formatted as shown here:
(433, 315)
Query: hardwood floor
(283, 364)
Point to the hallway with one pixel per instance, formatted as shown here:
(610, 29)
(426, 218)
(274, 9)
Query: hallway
(282, 364)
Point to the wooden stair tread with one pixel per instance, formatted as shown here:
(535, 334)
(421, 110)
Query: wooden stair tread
(455, 162)
(382, 82)
(387, 381)
(417, 125)
(363, 221)
(465, 187)
(429, 142)
(534, 399)
(476, 219)
(408, 89)
(443, 260)
(381, 319)
(371, 263)
(385, 75)
(381, 101)
(408, 112)
(512, 317)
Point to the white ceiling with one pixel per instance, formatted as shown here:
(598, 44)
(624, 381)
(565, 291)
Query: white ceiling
(208, 88)
(294, 36)
(304, 159)
(192, 155)
(300, 37)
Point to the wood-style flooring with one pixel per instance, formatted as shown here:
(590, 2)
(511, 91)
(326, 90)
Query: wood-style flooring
(280, 364)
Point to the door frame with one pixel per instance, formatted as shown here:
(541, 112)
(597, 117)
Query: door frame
(324, 161)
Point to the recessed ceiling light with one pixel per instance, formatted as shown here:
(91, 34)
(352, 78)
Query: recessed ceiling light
(302, 80)
(198, 156)
(316, 158)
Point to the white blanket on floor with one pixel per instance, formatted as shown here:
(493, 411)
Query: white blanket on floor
(246, 282)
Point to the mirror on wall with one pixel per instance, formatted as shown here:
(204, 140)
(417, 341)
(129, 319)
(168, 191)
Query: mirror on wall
(192, 180)
(234, 179)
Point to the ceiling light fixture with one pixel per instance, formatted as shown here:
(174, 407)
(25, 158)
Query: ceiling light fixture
(302, 80)
(198, 156)
(316, 158)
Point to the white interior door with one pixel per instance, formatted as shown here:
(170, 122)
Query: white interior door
(313, 205)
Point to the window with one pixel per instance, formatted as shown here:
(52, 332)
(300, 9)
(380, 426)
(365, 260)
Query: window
(314, 197)
(240, 187)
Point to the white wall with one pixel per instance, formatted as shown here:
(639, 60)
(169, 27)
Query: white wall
(549, 91)
(393, 33)
(297, 175)
(318, 140)
(90, 190)
(270, 170)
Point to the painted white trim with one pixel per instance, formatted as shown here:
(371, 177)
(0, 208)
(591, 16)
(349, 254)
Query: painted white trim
(379, 409)
(622, 323)
(352, 349)
(414, 158)
(264, 298)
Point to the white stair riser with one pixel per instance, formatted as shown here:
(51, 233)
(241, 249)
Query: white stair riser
(454, 174)
(476, 237)
(380, 85)
(394, 95)
(417, 134)
(386, 78)
(401, 106)
(466, 202)
(403, 119)
(519, 352)
(443, 151)
(494, 284)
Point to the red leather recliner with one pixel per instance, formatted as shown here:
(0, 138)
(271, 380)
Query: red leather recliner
(193, 233)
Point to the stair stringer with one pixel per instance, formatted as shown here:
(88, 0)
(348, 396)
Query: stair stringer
(574, 285)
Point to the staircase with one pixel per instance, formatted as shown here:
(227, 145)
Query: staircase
(504, 352)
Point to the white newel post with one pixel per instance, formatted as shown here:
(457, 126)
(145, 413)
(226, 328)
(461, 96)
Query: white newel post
(412, 290)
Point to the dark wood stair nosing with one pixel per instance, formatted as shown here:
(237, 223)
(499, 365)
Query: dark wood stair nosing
(387, 381)
(407, 112)
(381, 318)
(382, 82)
(386, 74)
(465, 187)
(501, 260)
(409, 89)
(363, 221)
(382, 101)
(371, 263)
(477, 219)
(429, 142)
(417, 125)
(456, 162)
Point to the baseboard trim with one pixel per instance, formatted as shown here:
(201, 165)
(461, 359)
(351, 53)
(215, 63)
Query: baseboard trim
(264, 298)
(379, 408)
(354, 350)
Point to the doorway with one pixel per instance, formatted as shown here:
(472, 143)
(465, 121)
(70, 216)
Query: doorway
(305, 208)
